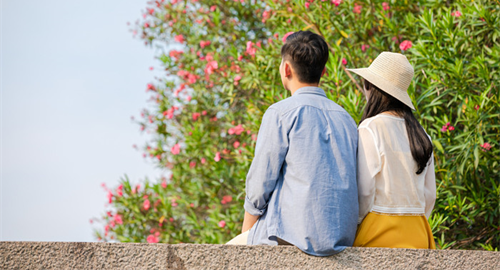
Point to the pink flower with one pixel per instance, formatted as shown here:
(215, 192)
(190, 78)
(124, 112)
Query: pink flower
(118, 219)
(204, 113)
(286, 36)
(179, 38)
(240, 57)
(196, 115)
(238, 129)
(265, 15)
(486, 146)
(175, 54)
(251, 50)
(146, 25)
(236, 144)
(222, 224)
(203, 160)
(211, 67)
(150, 87)
(110, 197)
(226, 199)
(188, 98)
(456, 14)
(236, 79)
(169, 113)
(119, 191)
(254, 137)
(204, 44)
(192, 164)
(212, 8)
(174, 202)
(476, 107)
(336, 2)
(176, 149)
(217, 157)
(152, 239)
(164, 184)
(405, 45)
(191, 78)
(307, 4)
(344, 61)
(146, 205)
(91, 221)
(209, 57)
(178, 90)
(364, 47)
(385, 6)
(447, 127)
(357, 9)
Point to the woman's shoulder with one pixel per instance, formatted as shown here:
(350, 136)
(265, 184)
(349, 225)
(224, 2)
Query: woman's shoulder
(380, 119)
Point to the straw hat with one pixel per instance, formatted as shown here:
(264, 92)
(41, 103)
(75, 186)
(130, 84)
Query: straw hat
(392, 73)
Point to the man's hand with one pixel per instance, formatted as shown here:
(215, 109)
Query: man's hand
(249, 221)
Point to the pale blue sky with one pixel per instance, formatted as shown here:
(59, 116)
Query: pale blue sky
(71, 77)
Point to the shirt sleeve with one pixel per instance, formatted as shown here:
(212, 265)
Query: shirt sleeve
(270, 152)
(369, 164)
(430, 188)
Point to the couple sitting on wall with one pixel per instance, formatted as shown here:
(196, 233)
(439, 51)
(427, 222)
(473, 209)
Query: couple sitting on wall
(322, 184)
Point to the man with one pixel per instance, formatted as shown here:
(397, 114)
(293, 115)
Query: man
(301, 187)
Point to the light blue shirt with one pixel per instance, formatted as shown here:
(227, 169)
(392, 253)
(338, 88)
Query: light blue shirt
(302, 181)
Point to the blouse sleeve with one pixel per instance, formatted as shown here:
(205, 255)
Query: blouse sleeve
(369, 164)
(430, 188)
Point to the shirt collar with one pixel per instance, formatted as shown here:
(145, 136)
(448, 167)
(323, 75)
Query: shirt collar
(310, 90)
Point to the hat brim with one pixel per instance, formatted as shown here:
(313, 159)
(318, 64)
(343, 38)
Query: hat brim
(384, 85)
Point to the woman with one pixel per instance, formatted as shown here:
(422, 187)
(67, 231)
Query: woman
(396, 180)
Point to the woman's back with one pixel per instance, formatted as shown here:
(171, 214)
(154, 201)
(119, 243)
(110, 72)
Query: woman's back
(398, 189)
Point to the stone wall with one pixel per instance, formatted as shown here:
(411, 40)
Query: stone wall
(61, 255)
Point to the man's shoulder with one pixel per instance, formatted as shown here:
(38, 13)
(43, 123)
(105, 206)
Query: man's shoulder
(293, 103)
(285, 105)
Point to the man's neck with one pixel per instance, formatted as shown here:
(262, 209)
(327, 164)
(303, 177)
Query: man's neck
(297, 85)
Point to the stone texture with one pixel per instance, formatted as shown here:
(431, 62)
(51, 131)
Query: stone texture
(62, 255)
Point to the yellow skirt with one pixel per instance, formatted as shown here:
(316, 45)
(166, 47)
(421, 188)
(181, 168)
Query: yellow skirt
(394, 231)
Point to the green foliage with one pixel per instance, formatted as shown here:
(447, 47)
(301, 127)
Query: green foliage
(205, 113)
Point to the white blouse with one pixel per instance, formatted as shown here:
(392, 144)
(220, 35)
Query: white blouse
(387, 179)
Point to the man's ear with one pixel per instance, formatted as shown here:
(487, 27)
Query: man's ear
(288, 69)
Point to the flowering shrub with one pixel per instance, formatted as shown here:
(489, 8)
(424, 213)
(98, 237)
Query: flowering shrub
(221, 74)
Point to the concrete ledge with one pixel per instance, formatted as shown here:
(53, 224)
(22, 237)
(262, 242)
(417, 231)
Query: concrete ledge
(61, 255)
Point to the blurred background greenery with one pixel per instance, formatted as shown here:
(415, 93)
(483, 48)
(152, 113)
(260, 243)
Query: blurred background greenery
(221, 63)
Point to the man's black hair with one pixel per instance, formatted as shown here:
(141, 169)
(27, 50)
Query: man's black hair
(308, 54)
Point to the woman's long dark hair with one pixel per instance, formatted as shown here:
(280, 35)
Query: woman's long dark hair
(420, 144)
